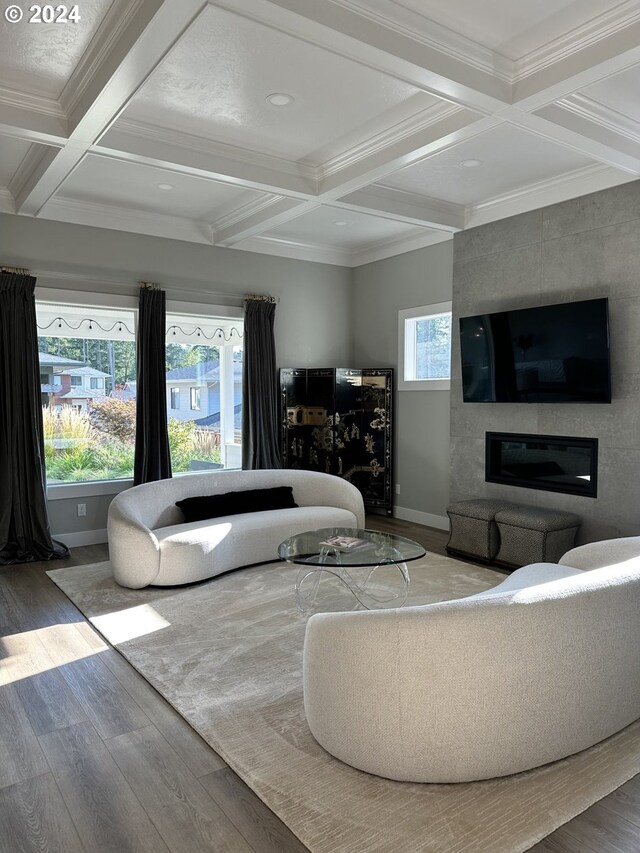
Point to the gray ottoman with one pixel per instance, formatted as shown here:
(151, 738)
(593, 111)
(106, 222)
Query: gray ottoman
(531, 534)
(473, 529)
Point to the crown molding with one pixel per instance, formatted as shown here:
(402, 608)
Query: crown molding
(399, 246)
(391, 135)
(580, 182)
(296, 249)
(191, 142)
(317, 253)
(27, 166)
(34, 103)
(599, 113)
(587, 34)
(125, 219)
(244, 211)
(418, 27)
(7, 204)
(111, 28)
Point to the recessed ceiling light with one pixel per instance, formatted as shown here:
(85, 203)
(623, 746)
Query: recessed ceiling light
(340, 222)
(279, 99)
(165, 186)
(471, 164)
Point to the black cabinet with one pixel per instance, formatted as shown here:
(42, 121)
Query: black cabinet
(339, 420)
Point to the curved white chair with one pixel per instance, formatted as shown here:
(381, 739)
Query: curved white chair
(150, 543)
(542, 666)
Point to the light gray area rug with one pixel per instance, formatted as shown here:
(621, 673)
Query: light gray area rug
(227, 654)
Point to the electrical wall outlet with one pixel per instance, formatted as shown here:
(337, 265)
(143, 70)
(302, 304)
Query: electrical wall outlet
(82, 510)
(397, 488)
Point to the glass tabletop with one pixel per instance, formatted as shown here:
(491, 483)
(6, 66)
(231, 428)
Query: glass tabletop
(348, 546)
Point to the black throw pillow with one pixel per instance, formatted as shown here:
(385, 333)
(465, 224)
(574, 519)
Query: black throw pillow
(232, 503)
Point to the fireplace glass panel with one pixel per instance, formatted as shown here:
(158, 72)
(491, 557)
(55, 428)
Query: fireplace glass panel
(551, 463)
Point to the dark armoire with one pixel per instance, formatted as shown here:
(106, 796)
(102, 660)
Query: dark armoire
(339, 420)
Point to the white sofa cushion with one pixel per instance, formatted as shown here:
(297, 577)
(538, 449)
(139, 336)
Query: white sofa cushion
(203, 549)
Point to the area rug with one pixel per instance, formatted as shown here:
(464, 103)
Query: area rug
(227, 654)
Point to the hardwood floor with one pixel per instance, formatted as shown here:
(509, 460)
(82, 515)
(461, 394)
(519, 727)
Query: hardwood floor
(93, 759)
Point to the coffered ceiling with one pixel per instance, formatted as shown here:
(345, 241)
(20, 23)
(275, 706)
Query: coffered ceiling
(406, 120)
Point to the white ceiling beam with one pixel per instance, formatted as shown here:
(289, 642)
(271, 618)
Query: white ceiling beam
(459, 125)
(572, 131)
(151, 32)
(194, 156)
(370, 43)
(281, 210)
(603, 58)
(406, 207)
(22, 121)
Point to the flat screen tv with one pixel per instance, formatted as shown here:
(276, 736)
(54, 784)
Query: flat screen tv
(551, 354)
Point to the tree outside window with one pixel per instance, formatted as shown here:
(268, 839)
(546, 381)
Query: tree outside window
(424, 348)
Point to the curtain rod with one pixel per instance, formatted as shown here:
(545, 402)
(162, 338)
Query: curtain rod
(100, 283)
(261, 297)
(16, 270)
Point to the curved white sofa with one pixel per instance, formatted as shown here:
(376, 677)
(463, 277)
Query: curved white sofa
(541, 666)
(594, 555)
(149, 542)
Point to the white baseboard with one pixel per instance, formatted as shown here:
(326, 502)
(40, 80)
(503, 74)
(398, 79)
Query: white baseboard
(440, 522)
(84, 537)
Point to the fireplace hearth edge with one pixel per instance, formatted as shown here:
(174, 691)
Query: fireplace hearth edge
(551, 463)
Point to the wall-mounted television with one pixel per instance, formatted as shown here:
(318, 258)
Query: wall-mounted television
(549, 354)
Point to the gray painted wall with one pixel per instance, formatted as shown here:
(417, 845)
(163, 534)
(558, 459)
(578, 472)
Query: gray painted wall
(580, 249)
(313, 318)
(380, 290)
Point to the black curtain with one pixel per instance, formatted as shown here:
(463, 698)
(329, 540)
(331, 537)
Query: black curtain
(24, 526)
(152, 457)
(260, 410)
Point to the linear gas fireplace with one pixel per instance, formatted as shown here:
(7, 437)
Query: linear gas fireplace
(552, 462)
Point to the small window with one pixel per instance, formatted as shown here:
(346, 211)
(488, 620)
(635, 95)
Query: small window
(424, 348)
(44, 378)
(76, 381)
(95, 382)
(175, 398)
(195, 399)
(57, 379)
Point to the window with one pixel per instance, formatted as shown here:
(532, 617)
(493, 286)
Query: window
(205, 353)
(424, 348)
(89, 412)
(44, 378)
(89, 434)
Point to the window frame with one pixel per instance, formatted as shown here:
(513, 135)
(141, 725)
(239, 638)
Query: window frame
(174, 397)
(194, 394)
(407, 318)
(61, 295)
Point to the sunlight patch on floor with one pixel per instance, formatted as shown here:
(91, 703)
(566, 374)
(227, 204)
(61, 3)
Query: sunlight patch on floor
(123, 625)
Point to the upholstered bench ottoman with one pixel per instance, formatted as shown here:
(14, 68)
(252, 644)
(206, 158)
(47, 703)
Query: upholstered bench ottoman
(473, 528)
(531, 534)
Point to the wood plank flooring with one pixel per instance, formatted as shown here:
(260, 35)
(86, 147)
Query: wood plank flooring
(93, 759)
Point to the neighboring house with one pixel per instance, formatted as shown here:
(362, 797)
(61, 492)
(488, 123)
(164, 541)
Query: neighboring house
(125, 390)
(193, 393)
(68, 382)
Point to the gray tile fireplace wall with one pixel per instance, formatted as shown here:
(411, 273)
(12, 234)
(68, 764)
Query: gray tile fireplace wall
(585, 248)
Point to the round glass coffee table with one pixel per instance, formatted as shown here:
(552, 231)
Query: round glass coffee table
(352, 556)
